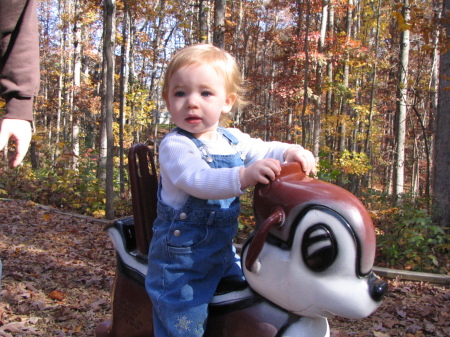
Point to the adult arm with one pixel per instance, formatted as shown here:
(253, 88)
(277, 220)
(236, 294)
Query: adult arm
(19, 62)
(19, 73)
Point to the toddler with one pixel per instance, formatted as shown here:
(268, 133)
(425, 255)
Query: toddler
(204, 168)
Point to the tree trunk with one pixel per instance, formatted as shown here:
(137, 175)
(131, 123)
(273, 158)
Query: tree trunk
(402, 98)
(289, 125)
(124, 72)
(374, 83)
(34, 156)
(102, 144)
(108, 53)
(219, 23)
(318, 90)
(203, 22)
(156, 46)
(441, 184)
(343, 108)
(60, 84)
(76, 86)
(329, 62)
(132, 79)
(305, 86)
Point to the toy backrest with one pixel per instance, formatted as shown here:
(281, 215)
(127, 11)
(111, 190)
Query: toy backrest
(144, 189)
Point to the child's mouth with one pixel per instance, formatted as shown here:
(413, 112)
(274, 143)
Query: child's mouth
(193, 120)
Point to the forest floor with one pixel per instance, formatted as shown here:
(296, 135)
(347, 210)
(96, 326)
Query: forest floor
(58, 270)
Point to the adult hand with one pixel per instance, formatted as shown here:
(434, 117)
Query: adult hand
(262, 171)
(19, 131)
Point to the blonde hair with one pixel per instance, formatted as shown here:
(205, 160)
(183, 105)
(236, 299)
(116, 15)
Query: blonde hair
(222, 62)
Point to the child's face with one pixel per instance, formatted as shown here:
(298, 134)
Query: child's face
(196, 98)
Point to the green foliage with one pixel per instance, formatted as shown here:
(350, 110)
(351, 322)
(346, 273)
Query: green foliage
(73, 190)
(406, 235)
(326, 170)
(246, 219)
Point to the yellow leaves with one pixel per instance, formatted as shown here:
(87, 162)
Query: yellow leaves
(99, 213)
(354, 163)
(46, 217)
(402, 24)
(357, 63)
(38, 137)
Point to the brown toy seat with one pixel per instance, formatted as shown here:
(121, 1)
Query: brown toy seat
(144, 188)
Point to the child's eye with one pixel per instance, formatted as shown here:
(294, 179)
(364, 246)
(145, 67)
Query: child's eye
(179, 94)
(206, 93)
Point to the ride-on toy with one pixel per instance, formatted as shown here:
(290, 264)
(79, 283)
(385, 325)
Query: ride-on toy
(310, 257)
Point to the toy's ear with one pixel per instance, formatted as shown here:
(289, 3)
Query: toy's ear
(257, 243)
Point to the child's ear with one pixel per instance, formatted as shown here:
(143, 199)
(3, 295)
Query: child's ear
(229, 102)
(166, 99)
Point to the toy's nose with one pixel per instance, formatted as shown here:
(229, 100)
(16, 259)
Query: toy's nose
(377, 287)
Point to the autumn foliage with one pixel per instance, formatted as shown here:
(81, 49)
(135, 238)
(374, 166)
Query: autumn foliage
(323, 74)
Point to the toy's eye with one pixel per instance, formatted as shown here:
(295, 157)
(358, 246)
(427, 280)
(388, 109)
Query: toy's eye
(319, 248)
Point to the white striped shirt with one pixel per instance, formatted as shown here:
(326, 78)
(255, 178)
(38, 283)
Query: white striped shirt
(183, 171)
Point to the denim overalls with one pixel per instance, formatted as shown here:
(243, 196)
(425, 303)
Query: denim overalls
(191, 251)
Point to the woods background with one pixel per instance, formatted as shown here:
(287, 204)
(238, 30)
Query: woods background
(355, 81)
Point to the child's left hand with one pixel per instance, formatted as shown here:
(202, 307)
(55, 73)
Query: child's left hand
(303, 156)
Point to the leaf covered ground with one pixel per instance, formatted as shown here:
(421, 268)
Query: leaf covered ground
(58, 271)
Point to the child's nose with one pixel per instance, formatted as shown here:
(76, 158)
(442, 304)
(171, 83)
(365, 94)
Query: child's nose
(192, 101)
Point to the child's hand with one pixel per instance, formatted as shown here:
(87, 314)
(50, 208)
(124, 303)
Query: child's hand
(304, 157)
(263, 171)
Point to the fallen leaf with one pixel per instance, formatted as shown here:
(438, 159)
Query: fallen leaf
(57, 295)
(39, 304)
(78, 328)
(401, 313)
(14, 327)
(380, 334)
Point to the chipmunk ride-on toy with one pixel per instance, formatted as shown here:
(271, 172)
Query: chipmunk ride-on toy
(310, 257)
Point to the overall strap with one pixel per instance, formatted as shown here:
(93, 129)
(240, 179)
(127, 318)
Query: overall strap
(197, 142)
(202, 147)
(228, 135)
(234, 142)
(223, 131)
